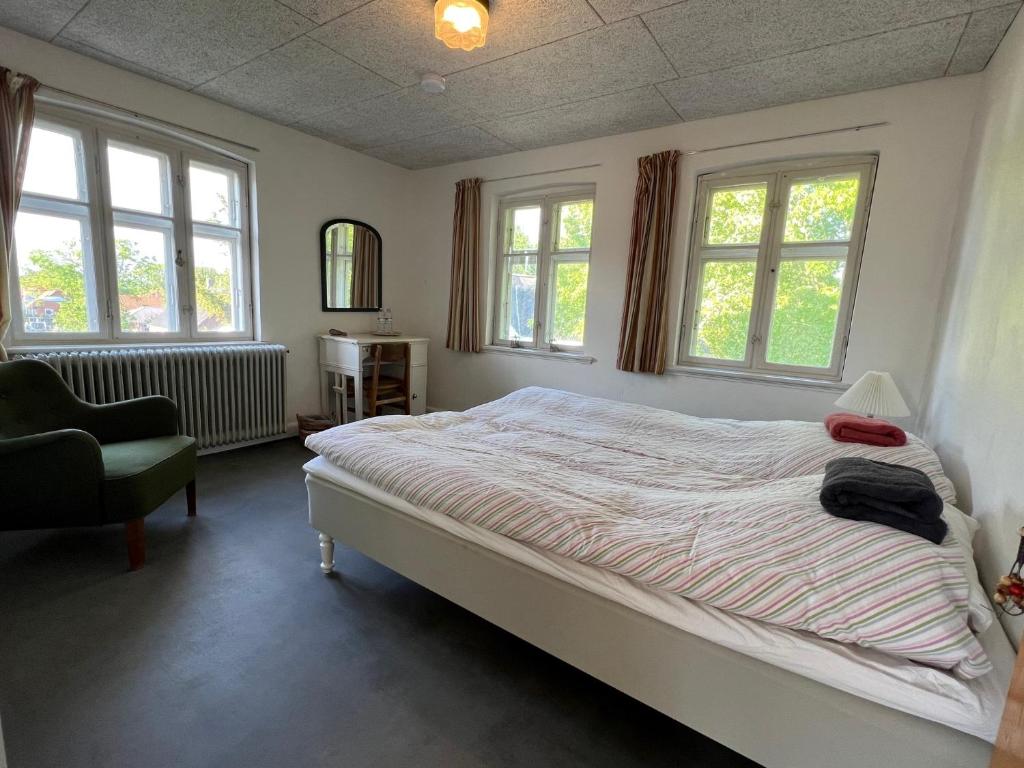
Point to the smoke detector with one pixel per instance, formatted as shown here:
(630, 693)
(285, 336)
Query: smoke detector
(431, 83)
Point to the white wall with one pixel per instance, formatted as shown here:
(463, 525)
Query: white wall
(920, 173)
(975, 416)
(302, 181)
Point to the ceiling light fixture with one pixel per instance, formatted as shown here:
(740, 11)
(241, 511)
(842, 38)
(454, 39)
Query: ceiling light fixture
(461, 23)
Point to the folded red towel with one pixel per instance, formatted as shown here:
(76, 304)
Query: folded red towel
(851, 428)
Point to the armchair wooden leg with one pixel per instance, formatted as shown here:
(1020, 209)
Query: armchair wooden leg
(135, 534)
(190, 496)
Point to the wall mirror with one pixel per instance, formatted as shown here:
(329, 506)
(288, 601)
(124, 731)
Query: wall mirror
(350, 266)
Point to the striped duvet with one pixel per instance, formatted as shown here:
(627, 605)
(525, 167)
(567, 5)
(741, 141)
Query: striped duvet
(720, 511)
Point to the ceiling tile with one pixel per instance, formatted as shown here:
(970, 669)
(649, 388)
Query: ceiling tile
(391, 118)
(903, 56)
(299, 79)
(39, 18)
(706, 35)
(396, 39)
(468, 143)
(616, 10)
(635, 110)
(106, 58)
(322, 11)
(985, 30)
(614, 58)
(191, 40)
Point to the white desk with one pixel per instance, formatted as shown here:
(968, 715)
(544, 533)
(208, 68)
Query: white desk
(342, 356)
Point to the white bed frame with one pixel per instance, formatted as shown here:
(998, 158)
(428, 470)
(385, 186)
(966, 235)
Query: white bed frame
(777, 718)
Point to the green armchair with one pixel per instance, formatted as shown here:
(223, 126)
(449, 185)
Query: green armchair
(65, 462)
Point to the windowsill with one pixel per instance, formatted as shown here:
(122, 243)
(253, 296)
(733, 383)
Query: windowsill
(758, 378)
(565, 357)
(23, 348)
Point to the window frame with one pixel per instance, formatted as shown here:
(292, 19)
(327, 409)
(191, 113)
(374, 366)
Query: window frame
(95, 133)
(779, 177)
(548, 257)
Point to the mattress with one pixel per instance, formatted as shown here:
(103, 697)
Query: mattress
(971, 706)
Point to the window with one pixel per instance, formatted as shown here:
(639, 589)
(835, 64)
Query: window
(543, 266)
(340, 245)
(773, 268)
(122, 236)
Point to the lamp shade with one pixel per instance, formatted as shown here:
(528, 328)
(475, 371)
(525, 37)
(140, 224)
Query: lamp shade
(874, 394)
(461, 23)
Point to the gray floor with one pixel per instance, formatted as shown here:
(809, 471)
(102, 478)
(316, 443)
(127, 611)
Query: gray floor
(231, 649)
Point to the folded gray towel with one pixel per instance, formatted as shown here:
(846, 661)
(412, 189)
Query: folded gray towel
(889, 494)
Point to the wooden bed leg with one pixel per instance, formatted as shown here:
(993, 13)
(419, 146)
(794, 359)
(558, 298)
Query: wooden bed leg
(326, 553)
(135, 534)
(190, 497)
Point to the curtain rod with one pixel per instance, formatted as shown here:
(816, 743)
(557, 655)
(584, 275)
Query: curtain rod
(137, 115)
(807, 135)
(541, 173)
(825, 132)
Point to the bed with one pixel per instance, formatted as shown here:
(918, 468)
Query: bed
(407, 492)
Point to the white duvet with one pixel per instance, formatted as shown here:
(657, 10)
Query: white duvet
(721, 512)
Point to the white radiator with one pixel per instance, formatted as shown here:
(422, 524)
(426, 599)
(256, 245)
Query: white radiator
(227, 395)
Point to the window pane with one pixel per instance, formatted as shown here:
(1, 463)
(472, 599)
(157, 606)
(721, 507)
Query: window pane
(519, 294)
(806, 310)
(139, 179)
(56, 288)
(723, 310)
(145, 280)
(735, 215)
(214, 193)
(216, 271)
(822, 209)
(569, 302)
(340, 240)
(575, 221)
(525, 229)
(53, 164)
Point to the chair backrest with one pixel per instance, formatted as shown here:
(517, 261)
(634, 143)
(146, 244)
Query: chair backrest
(382, 354)
(34, 399)
(393, 353)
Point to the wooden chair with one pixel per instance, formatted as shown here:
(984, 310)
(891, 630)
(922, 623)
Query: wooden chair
(380, 386)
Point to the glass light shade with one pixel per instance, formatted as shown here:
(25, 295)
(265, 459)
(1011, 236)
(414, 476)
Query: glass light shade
(875, 394)
(461, 23)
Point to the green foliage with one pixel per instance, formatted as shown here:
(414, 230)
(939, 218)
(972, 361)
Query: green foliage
(808, 291)
(806, 308)
(63, 270)
(137, 275)
(522, 240)
(822, 209)
(213, 295)
(575, 224)
(736, 215)
(570, 306)
(727, 289)
(59, 270)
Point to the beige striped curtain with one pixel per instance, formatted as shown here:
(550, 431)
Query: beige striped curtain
(365, 263)
(464, 299)
(645, 311)
(17, 109)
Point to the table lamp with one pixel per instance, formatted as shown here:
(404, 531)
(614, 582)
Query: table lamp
(874, 394)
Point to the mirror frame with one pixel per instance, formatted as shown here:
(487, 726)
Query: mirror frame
(323, 267)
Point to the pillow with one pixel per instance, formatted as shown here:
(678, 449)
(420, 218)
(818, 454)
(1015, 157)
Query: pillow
(963, 527)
